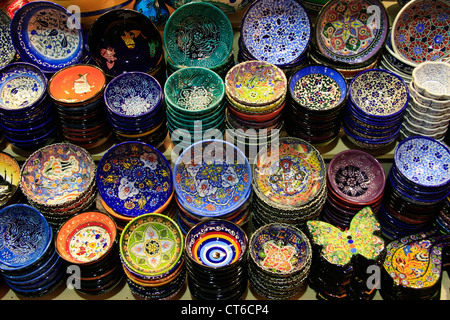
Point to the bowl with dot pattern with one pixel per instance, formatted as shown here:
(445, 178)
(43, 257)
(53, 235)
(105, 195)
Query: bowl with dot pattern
(432, 79)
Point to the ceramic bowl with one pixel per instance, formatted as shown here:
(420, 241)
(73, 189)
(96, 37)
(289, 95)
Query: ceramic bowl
(425, 102)
(432, 80)
(47, 35)
(227, 6)
(425, 129)
(419, 31)
(395, 60)
(7, 50)
(427, 113)
(379, 93)
(194, 91)
(420, 122)
(351, 32)
(9, 178)
(408, 132)
(123, 40)
(198, 34)
(278, 32)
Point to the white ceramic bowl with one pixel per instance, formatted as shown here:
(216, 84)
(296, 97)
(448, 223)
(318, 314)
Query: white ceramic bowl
(432, 80)
(424, 123)
(427, 102)
(427, 116)
(437, 132)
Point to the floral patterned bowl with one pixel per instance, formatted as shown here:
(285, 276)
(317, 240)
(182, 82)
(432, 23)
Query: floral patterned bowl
(432, 79)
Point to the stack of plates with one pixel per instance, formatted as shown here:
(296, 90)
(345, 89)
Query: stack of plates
(27, 118)
(133, 179)
(29, 263)
(195, 105)
(413, 267)
(216, 260)
(135, 109)
(256, 96)
(417, 187)
(88, 242)
(77, 95)
(427, 113)
(375, 109)
(316, 100)
(278, 32)
(344, 261)
(280, 261)
(151, 251)
(355, 180)
(199, 34)
(9, 180)
(212, 179)
(59, 181)
(289, 183)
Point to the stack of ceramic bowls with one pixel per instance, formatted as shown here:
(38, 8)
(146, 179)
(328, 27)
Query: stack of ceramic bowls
(27, 118)
(151, 251)
(77, 94)
(349, 35)
(134, 178)
(123, 40)
(280, 261)
(47, 35)
(135, 109)
(375, 109)
(316, 100)
(199, 34)
(212, 179)
(278, 32)
(7, 50)
(343, 259)
(289, 183)
(216, 260)
(443, 220)
(417, 187)
(59, 181)
(195, 105)
(9, 180)
(426, 251)
(88, 242)
(428, 110)
(29, 263)
(256, 94)
(355, 180)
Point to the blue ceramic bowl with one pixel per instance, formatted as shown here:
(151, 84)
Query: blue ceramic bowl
(124, 40)
(47, 35)
(34, 143)
(7, 50)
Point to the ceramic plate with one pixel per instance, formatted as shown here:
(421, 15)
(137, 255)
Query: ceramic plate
(24, 235)
(198, 34)
(7, 50)
(290, 175)
(47, 35)
(276, 31)
(420, 31)
(22, 85)
(134, 178)
(86, 237)
(9, 177)
(57, 174)
(212, 178)
(357, 176)
(351, 31)
(151, 244)
(424, 161)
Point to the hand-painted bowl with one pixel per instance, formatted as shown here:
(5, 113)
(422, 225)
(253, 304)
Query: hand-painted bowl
(9, 178)
(47, 35)
(7, 50)
(438, 106)
(432, 79)
(123, 40)
(198, 34)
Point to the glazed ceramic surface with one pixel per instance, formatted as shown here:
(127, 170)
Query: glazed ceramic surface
(256, 82)
(133, 94)
(47, 35)
(379, 93)
(212, 178)
(21, 86)
(9, 177)
(423, 161)
(198, 34)
(351, 31)
(7, 50)
(134, 178)
(280, 248)
(25, 235)
(151, 244)
(227, 6)
(420, 31)
(432, 80)
(338, 247)
(276, 31)
(86, 237)
(290, 174)
(57, 174)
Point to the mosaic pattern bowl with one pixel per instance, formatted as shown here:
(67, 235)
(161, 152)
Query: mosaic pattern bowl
(7, 50)
(432, 79)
